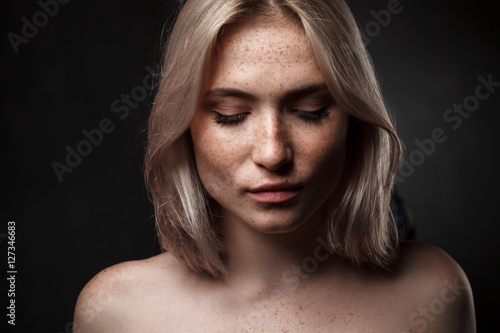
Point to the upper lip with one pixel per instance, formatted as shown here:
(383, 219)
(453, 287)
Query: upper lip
(269, 187)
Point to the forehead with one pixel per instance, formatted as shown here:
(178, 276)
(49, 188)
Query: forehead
(264, 50)
(266, 40)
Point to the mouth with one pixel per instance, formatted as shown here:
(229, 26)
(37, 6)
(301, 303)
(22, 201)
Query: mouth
(274, 193)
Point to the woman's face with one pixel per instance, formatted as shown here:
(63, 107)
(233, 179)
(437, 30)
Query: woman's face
(269, 140)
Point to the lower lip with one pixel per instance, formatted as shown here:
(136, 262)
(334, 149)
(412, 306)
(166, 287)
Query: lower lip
(273, 196)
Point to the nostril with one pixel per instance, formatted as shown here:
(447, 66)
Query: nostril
(272, 147)
(273, 156)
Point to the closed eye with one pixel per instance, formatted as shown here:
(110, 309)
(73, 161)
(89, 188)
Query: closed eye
(228, 120)
(313, 116)
(309, 116)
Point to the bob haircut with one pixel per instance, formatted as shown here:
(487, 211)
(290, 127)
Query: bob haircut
(360, 227)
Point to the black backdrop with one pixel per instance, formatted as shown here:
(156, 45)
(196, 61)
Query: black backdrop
(86, 66)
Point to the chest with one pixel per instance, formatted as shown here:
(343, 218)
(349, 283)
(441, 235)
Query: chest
(315, 312)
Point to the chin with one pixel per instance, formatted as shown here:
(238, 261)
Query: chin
(277, 223)
(275, 228)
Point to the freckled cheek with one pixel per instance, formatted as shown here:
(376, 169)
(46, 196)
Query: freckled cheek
(335, 158)
(325, 156)
(217, 159)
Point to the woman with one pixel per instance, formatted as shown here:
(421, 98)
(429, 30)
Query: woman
(270, 162)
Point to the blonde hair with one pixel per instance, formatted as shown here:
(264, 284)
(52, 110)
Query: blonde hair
(359, 227)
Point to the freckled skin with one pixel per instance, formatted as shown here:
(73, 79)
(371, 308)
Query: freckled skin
(267, 60)
(272, 143)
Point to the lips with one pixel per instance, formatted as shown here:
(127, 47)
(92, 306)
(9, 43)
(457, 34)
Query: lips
(274, 193)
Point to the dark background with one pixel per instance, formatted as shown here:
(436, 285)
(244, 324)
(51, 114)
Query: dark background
(66, 77)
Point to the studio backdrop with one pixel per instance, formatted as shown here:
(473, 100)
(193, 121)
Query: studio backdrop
(77, 83)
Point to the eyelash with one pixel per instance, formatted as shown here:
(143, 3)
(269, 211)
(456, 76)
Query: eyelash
(308, 116)
(314, 116)
(228, 120)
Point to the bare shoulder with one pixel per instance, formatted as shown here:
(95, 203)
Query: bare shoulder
(438, 289)
(110, 301)
(426, 258)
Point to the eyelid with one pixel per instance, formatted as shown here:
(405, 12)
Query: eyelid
(314, 116)
(234, 119)
(310, 108)
(227, 108)
(312, 103)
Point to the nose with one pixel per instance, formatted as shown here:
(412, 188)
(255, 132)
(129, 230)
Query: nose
(272, 147)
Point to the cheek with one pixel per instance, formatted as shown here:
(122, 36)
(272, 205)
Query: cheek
(333, 166)
(328, 160)
(324, 154)
(216, 158)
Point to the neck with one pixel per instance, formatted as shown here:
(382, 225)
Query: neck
(263, 261)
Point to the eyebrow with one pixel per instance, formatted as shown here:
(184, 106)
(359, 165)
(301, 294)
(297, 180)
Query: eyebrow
(227, 92)
(296, 93)
(307, 90)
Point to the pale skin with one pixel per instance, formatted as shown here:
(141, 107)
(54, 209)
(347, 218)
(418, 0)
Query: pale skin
(265, 117)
